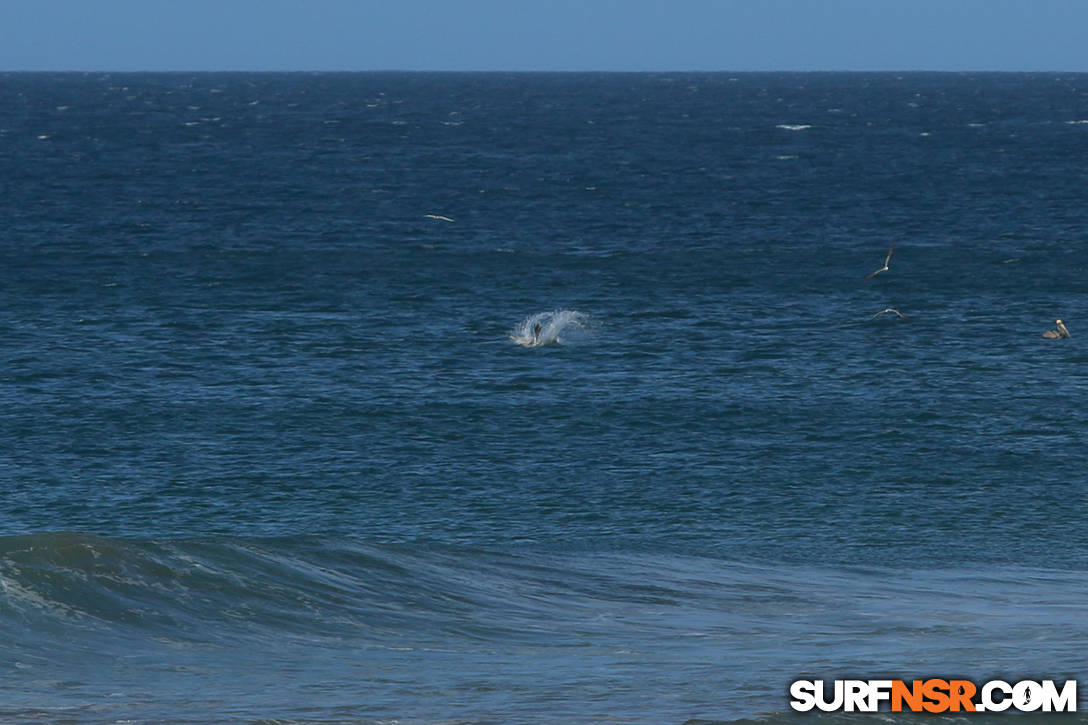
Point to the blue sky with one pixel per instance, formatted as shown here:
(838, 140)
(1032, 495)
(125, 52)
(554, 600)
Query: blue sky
(630, 35)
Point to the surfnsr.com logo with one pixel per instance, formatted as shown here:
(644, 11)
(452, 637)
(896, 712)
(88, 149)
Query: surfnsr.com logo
(933, 695)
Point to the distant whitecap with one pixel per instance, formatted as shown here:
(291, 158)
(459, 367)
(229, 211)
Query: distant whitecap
(793, 126)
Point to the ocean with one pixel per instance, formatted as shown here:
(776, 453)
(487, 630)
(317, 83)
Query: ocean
(537, 398)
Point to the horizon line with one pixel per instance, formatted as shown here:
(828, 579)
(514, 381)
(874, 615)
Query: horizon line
(538, 70)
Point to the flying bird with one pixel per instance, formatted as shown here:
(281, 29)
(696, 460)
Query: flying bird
(891, 311)
(885, 267)
(1057, 334)
(439, 217)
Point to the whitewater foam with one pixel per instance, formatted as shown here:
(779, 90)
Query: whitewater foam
(555, 327)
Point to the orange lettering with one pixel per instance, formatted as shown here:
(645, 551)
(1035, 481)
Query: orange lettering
(911, 695)
(937, 692)
(961, 692)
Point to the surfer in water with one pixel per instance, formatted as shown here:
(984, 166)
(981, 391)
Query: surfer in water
(536, 334)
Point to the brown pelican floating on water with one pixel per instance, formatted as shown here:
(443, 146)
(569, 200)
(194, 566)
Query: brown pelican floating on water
(885, 267)
(891, 311)
(1057, 334)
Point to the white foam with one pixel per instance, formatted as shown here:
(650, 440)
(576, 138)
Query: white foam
(554, 326)
(793, 126)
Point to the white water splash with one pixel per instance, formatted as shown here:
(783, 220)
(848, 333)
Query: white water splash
(553, 327)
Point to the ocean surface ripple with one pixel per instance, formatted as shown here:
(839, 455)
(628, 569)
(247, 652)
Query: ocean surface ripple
(282, 441)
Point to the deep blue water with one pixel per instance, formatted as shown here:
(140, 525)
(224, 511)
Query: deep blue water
(269, 451)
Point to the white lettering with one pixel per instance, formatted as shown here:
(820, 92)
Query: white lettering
(804, 695)
(823, 703)
(1027, 696)
(992, 705)
(1065, 701)
(855, 695)
(879, 690)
